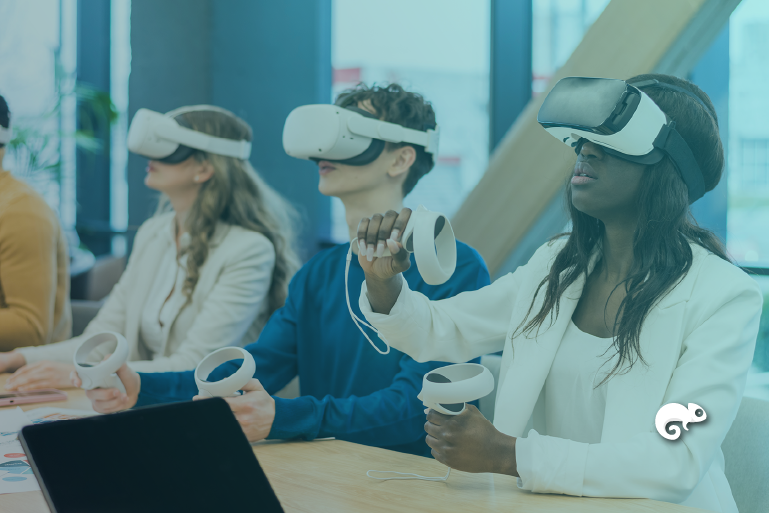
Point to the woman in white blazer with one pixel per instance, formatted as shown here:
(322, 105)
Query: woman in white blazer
(205, 272)
(635, 308)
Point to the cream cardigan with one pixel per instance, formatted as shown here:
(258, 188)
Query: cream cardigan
(227, 304)
(698, 341)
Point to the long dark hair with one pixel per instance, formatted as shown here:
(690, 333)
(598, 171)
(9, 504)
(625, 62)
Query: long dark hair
(662, 254)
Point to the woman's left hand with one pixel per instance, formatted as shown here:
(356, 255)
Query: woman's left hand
(39, 375)
(470, 443)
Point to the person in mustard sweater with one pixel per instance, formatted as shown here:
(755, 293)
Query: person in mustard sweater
(34, 262)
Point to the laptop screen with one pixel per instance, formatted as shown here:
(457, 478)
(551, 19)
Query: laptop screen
(189, 456)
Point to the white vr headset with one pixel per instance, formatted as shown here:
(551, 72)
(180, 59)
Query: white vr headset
(347, 135)
(6, 134)
(163, 138)
(623, 120)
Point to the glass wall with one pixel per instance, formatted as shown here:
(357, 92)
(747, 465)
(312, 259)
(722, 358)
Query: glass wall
(748, 214)
(439, 48)
(748, 162)
(33, 75)
(557, 29)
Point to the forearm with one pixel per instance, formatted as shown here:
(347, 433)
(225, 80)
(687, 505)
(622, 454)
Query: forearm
(380, 419)
(382, 294)
(504, 449)
(166, 387)
(62, 351)
(19, 329)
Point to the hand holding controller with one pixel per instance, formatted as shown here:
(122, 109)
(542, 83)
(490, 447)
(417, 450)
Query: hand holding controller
(426, 234)
(101, 374)
(447, 389)
(229, 386)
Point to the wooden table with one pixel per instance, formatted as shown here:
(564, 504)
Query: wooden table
(330, 475)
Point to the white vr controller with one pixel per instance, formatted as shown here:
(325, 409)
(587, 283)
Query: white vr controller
(447, 389)
(229, 386)
(430, 237)
(101, 373)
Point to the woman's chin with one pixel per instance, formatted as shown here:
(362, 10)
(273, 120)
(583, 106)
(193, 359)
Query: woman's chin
(584, 205)
(151, 182)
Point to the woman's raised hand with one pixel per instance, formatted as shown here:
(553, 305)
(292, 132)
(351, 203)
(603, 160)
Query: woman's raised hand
(380, 232)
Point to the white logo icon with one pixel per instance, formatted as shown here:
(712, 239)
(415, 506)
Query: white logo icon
(674, 412)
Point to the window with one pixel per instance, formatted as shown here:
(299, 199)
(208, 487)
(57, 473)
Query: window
(35, 68)
(748, 163)
(557, 28)
(120, 69)
(748, 166)
(439, 48)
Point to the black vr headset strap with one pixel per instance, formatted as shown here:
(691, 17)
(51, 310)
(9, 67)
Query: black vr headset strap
(671, 142)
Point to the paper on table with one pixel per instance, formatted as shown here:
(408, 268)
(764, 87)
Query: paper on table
(51, 413)
(15, 473)
(11, 422)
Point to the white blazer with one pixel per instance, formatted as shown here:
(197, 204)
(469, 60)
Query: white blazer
(698, 341)
(226, 309)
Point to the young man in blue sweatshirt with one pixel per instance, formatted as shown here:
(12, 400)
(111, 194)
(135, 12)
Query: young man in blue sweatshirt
(348, 390)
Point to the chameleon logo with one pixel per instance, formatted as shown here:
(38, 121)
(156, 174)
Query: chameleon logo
(674, 412)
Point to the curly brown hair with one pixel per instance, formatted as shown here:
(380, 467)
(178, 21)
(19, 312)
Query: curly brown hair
(394, 104)
(237, 195)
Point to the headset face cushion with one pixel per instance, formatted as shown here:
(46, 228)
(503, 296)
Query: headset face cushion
(367, 157)
(179, 155)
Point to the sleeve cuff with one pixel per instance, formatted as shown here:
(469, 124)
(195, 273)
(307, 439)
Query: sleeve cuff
(550, 465)
(28, 353)
(523, 461)
(399, 314)
(294, 418)
(156, 389)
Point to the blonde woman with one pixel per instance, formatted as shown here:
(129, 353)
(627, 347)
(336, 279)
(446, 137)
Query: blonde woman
(205, 272)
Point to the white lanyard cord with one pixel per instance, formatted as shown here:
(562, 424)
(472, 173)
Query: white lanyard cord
(407, 476)
(357, 320)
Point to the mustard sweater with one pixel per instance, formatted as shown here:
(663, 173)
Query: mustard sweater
(34, 269)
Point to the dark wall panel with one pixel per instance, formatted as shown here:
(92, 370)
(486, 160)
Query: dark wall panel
(511, 30)
(268, 59)
(93, 169)
(170, 67)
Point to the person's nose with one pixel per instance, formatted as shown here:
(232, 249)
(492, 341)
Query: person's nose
(590, 149)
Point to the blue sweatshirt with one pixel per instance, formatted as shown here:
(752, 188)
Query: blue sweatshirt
(348, 390)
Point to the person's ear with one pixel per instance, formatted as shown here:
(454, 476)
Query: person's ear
(204, 172)
(404, 159)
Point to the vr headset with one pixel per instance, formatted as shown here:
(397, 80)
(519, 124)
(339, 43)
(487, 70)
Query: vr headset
(347, 135)
(161, 137)
(6, 134)
(623, 120)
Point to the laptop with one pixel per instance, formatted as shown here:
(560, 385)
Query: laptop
(189, 456)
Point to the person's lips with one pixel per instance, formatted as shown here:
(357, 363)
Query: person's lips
(150, 169)
(325, 167)
(583, 174)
